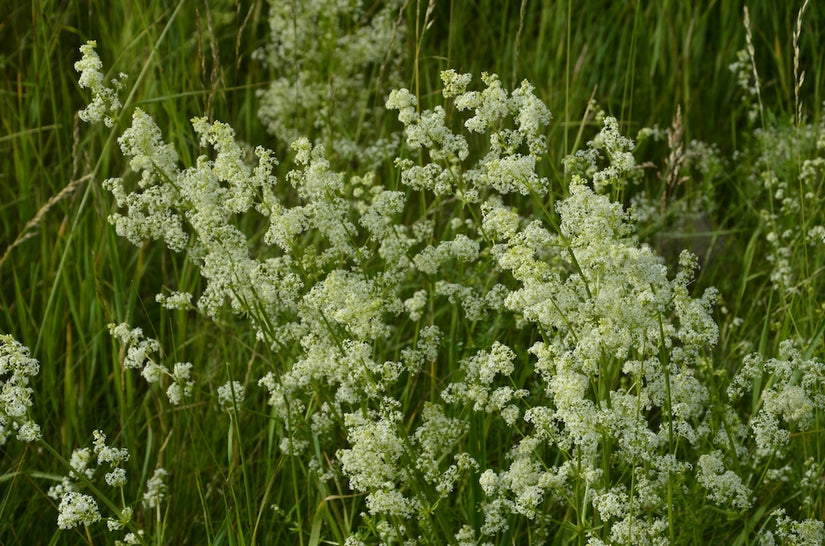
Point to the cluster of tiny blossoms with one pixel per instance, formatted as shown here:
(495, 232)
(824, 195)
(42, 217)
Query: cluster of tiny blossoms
(138, 355)
(745, 73)
(783, 163)
(105, 103)
(616, 420)
(509, 165)
(788, 171)
(16, 370)
(789, 401)
(625, 347)
(324, 56)
(76, 508)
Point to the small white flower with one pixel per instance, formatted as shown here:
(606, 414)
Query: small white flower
(372, 463)
(131, 539)
(105, 454)
(105, 103)
(724, 486)
(807, 532)
(29, 432)
(155, 491)
(415, 304)
(230, 395)
(489, 482)
(123, 521)
(138, 348)
(455, 84)
(153, 372)
(182, 386)
(77, 509)
(175, 300)
(16, 370)
(499, 222)
(79, 461)
(116, 478)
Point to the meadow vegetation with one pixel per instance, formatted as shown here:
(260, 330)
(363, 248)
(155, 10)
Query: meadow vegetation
(407, 272)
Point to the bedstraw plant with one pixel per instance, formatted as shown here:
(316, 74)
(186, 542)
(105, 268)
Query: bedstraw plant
(454, 334)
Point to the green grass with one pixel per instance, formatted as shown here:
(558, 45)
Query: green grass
(65, 274)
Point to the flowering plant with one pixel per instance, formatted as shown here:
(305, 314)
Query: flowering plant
(447, 344)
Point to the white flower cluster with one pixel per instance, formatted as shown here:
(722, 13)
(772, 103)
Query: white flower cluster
(787, 172)
(373, 462)
(480, 371)
(619, 349)
(462, 248)
(105, 103)
(622, 346)
(436, 438)
(314, 295)
(155, 491)
(175, 300)
(744, 71)
(192, 209)
(182, 383)
(80, 467)
(788, 401)
(321, 55)
(138, 348)
(808, 532)
(725, 487)
(77, 508)
(509, 165)
(16, 370)
(138, 355)
(347, 299)
(230, 395)
(611, 145)
(115, 457)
